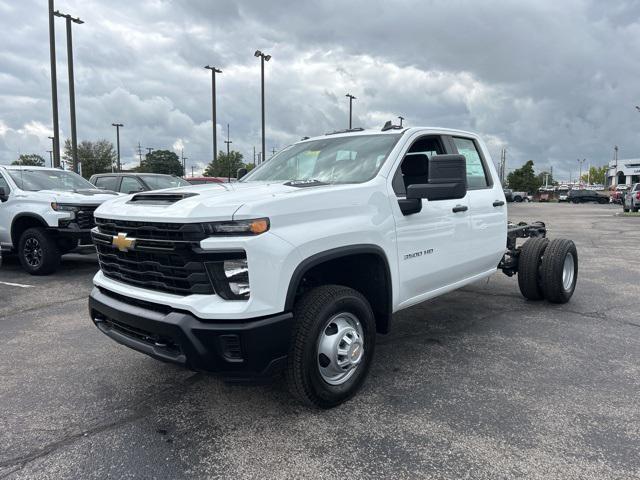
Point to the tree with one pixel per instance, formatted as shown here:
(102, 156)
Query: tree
(161, 161)
(595, 175)
(225, 166)
(523, 179)
(541, 178)
(95, 157)
(30, 160)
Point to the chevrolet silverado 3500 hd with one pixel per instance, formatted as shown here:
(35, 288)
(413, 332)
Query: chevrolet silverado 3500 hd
(297, 266)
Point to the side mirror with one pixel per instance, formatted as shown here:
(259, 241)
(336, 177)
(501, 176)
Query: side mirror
(4, 195)
(241, 173)
(447, 179)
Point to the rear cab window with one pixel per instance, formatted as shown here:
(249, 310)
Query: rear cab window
(477, 175)
(4, 184)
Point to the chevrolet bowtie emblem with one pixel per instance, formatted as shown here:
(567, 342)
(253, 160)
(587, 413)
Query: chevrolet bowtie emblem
(122, 243)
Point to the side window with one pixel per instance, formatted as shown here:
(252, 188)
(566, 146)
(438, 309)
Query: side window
(130, 184)
(107, 183)
(4, 184)
(415, 164)
(476, 174)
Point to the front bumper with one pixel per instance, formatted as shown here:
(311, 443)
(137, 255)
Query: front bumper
(238, 350)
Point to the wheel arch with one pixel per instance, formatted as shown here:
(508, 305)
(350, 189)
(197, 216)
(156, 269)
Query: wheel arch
(356, 270)
(23, 221)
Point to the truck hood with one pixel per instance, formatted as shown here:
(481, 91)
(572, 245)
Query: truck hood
(79, 197)
(208, 202)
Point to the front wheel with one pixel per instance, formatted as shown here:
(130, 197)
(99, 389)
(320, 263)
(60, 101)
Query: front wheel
(38, 251)
(332, 346)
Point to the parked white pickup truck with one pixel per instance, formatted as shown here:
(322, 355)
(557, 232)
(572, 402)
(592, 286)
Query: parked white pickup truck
(297, 266)
(44, 213)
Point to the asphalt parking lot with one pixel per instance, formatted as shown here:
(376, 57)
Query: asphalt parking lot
(478, 383)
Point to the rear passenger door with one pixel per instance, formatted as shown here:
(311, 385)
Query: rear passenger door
(108, 183)
(487, 207)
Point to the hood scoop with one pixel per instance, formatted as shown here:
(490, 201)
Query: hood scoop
(156, 198)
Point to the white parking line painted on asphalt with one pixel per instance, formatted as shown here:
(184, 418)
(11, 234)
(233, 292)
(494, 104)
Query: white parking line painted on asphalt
(16, 285)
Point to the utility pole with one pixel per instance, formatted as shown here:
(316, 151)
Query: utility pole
(118, 125)
(54, 87)
(191, 171)
(72, 89)
(401, 119)
(263, 58)
(580, 162)
(228, 142)
(273, 151)
(351, 99)
(254, 155)
(184, 163)
(615, 159)
(214, 70)
(140, 152)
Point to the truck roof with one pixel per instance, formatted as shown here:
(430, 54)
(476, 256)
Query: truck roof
(27, 167)
(391, 131)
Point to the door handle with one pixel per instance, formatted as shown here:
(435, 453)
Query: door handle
(498, 203)
(460, 208)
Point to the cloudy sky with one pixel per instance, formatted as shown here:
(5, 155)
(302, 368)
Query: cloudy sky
(551, 81)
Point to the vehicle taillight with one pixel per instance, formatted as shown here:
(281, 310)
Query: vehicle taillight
(638, 195)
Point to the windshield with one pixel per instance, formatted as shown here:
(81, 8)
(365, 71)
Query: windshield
(352, 159)
(35, 180)
(157, 182)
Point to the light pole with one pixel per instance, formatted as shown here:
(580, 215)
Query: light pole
(615, 171)
(72, 90)
(351, 99)
(401, 119)
(50, 157)
(214, 70)
(263, 58)
(580, 174)
(54, 87)
(228, 142)
(118, 125)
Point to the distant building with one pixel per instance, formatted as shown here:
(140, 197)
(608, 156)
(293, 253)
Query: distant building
(626, 172)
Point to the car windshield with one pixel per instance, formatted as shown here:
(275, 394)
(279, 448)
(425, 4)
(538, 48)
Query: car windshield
(35, 180)
(351, 159)
(158, 182)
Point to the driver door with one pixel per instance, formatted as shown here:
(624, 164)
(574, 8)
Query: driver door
(431, 244)
(5, 216)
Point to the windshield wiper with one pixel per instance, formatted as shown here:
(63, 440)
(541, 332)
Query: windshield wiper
(311, 182)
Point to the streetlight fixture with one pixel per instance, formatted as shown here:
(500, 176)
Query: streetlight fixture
(118, 125)
(401, 119)
(54, 87)
(214, 70)
(637, 108)
(351, 99)
(72, 92)
(228, 142)
(263, 58)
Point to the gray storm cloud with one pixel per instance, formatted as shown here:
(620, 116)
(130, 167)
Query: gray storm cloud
(551, 81)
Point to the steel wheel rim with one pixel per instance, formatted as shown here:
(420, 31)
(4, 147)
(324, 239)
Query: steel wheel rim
(340, 348)
(568, 271)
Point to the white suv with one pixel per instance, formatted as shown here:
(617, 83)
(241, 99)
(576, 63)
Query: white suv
(44, 213)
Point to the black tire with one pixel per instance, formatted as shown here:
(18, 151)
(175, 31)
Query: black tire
(625, 210)
(311, 314)
(517, 199)
(38, 251)
(602, 201)
(575, 200)
(552, 268)
(634, 209)
(528, 268)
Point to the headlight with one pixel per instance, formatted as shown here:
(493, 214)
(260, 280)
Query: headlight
(238, 227)
(231, 278)
(63, 207)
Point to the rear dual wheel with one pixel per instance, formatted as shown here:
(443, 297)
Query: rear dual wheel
(548, 269)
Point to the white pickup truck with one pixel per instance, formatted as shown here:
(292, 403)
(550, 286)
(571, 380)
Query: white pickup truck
(45, 213)
(297, 266)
